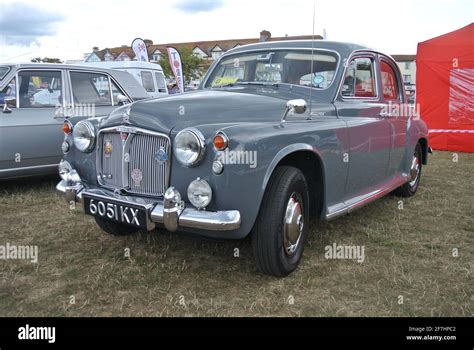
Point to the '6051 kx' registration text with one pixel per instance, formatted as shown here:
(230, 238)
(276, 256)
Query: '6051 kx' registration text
(123, 214)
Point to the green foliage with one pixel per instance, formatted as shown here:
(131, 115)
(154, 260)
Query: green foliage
(192, 65)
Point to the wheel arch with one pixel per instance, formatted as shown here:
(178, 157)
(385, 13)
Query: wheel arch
(309, 161)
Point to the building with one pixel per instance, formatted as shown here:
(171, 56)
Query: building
(407, 65)
(207, 50)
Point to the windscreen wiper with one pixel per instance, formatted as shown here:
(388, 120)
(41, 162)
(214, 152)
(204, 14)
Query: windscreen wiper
(256, 83)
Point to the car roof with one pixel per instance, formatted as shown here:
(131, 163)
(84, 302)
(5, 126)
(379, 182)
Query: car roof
(126, 80)
(123, 65)
(51, 66)
(343, 48)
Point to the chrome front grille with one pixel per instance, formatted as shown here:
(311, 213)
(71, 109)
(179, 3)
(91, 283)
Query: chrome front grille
(134, 160)
(112, 174)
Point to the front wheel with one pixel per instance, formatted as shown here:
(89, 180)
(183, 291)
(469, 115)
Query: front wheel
(410, 188)
(279, 234)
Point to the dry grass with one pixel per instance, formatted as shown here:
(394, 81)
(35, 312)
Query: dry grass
(408, 253)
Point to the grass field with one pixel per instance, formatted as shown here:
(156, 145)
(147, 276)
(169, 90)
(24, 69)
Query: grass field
(409, 267)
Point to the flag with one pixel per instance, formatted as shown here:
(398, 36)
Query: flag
(177, 67)
(140, 50)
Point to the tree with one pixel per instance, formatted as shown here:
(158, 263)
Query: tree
(193, 65)
(46, 60)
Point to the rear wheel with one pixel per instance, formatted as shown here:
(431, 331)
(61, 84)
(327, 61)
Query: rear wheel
(114, 228)
(279, 235)
(411, 187)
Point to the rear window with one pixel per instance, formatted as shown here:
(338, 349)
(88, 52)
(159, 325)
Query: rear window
(4, 71)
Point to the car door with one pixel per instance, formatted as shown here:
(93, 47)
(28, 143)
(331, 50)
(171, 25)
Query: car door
(93, 94)
(360, 105)
(30, 136)
(396, 112)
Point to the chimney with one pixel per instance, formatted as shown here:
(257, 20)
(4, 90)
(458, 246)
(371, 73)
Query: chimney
(265, 35)
(148, 42)
(95, 49)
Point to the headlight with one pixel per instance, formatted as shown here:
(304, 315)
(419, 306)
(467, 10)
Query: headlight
(199, 193)
(84, 136)
(189, 147)
(64, 170)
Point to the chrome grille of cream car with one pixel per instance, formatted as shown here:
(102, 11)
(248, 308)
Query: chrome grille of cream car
(134, 160)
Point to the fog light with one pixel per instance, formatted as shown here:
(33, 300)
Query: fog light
(65, 147)
(64, 170)
(199, 193)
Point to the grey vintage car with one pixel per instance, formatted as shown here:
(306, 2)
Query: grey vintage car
(36, 98)
(276, 133)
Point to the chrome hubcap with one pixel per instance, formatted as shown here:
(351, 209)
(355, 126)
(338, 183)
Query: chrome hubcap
(293, 225)
(415, 170)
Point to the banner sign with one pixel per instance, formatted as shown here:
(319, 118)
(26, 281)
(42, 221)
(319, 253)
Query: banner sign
(177, 67)
(140, 50)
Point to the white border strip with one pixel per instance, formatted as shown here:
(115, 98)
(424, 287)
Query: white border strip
(439, 131)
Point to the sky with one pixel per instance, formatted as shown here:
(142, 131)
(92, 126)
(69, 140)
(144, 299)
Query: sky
(67, 29)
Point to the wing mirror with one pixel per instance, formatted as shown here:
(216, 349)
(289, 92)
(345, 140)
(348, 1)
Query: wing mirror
(122, 100)
(8, 101)
(294, 107)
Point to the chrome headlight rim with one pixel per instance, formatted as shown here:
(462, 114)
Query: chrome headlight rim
(91, 136)
(201, 142)
(205, 187)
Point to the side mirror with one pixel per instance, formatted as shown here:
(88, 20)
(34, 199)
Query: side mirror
(294, 107)
(122, 100)
(8, 101)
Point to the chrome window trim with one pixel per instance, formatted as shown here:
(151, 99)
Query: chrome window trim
(69, 71)
(229, 53)
(135, 131)
(17, 86)
(361, 54)
(397, 72)
(9, 68)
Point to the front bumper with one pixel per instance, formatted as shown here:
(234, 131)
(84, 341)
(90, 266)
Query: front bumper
(170, 213)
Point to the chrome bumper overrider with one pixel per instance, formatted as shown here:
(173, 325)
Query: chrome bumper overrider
(167, 212)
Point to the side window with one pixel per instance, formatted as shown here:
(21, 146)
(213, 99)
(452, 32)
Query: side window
(39, 89)
(360, 79)
(160, 81)
(9, 93)
(389, 81)
(91, 88)
(147, 81)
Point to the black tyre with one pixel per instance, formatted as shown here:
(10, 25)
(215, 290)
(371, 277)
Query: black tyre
(114, 228)
(411, 187)
(279, 234)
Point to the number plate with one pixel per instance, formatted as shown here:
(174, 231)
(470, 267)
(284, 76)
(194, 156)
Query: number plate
(109, 210)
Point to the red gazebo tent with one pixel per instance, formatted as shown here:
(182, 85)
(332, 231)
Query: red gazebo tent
(445, 89)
